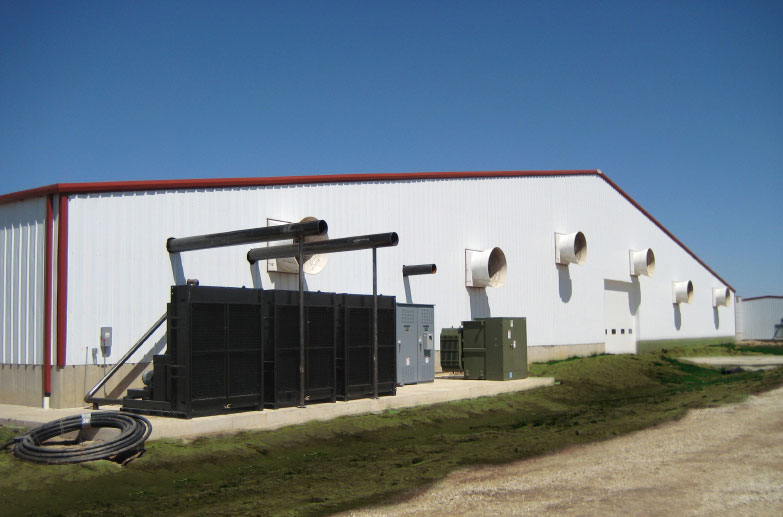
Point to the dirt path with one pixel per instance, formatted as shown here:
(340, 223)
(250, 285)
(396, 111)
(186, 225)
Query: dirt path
(725, 461)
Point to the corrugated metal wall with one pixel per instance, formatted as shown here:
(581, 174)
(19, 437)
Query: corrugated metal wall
(760, 316)
(120, 272)
(22, 248)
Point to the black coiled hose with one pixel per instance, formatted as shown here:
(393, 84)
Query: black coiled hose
(134, 431)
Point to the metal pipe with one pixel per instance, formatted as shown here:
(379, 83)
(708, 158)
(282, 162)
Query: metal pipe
(251, 235)
(359, 242)
(419, 269)
(301, 328)
(90, 397)
(374, 324)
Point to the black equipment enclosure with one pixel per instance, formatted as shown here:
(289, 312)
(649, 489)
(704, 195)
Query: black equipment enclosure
(237, 349)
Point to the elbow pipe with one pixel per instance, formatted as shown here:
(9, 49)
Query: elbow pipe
(419, 269)
(359, 242)
(250, 235)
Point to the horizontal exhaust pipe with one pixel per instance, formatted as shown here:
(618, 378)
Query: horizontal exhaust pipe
(419, 269)
(682, 292)
(721, 296)
(313, 264)
(360, 242)
(251, 235)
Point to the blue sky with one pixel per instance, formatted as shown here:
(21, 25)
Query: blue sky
(680, 103)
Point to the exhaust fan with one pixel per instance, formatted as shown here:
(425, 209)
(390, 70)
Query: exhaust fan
(642, 262)
(313, 264)
(721, 296)
(570, 248)
(682, 292)
(486, 268)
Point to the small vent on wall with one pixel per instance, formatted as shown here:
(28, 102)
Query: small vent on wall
(642, 262)
(682, 292)
(570, 248)
(486, 268)
(721, 296)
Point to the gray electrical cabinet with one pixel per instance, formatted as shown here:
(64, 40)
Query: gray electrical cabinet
(415, 343)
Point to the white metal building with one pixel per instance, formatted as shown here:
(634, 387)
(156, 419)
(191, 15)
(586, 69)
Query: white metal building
(78, 257)
(760, 317)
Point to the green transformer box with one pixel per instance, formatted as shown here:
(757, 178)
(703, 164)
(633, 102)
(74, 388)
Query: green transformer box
(495, 349)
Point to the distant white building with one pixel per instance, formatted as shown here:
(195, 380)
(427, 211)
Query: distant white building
(588, 267)
(760, 317)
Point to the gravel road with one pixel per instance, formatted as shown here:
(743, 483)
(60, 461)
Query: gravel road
(717, 461)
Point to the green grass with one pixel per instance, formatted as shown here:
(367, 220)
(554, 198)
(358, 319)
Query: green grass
(323, 467)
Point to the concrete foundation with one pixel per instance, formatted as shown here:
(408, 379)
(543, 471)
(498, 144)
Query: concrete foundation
(441, 390)
(21, 384)
(540, 354)
(71, 383)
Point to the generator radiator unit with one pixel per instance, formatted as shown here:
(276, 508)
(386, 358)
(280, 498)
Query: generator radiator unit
(236, 349)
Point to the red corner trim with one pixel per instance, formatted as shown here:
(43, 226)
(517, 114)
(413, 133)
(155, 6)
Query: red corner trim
(62, 279)
(47, 335)
(664, 229)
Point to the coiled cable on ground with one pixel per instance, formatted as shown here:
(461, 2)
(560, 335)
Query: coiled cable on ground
(134, 431)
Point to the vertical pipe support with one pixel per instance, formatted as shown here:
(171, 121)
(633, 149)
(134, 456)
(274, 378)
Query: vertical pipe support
(301, 324)
(374, 323)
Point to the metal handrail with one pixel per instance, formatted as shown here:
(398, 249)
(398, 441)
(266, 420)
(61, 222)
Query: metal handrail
(90, 398)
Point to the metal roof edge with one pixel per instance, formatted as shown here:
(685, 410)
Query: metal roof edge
(130, 186)
(664, 229)
(773, 296)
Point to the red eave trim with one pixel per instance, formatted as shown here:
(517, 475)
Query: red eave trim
(762, 297)
(62, 279)
(665, 230)
(130, 186)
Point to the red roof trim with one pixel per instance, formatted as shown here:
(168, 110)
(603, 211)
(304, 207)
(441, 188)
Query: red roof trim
(130, 186)
(664, 230)
(762, 297)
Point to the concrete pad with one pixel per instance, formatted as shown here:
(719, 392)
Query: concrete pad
(747, 362)
(442, 390)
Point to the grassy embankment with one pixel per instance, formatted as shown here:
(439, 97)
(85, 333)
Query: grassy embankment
(323, 467)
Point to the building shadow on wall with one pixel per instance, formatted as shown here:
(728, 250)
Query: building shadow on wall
(677, 316)
(122, 386)
(634, 295)
(479, 303)
(564, 284)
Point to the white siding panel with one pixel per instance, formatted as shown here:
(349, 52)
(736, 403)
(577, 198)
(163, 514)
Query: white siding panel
(120, 272)
(760, 316)
(22, 245)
